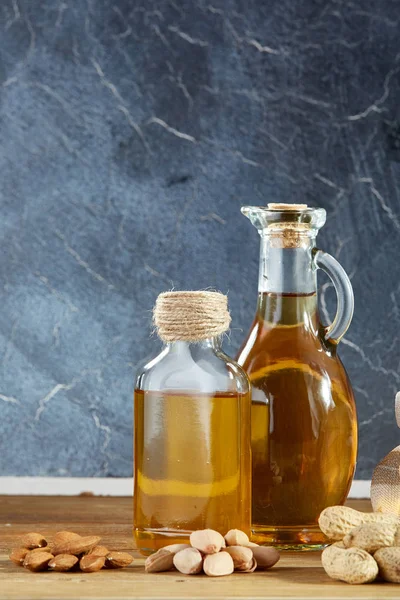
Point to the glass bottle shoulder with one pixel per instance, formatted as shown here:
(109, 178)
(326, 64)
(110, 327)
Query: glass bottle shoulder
(201, 367)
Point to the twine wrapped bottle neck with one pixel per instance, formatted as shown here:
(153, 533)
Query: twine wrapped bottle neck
(191, 316)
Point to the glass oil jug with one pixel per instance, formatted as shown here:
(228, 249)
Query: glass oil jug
(192, 452)
(304, 427)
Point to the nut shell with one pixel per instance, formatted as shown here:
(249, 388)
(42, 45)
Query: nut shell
(162, 560)
(371, 537)
(218, 565)
(188, 561)
(251, 567)
(352, 565)
(266, 556)
(242, 557)
(336, 521)
(174, 548)
(236, 537)
(207, 541)
(388, 560)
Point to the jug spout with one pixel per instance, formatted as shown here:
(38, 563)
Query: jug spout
(277, 218)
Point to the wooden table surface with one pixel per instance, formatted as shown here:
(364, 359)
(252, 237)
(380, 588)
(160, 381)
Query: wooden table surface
(297, 575)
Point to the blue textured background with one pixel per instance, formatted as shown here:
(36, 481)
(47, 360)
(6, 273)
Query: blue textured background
(131, 132)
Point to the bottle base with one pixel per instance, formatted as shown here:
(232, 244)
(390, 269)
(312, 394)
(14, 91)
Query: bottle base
(299, 539)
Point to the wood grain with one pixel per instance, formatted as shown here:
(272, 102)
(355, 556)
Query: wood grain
(297, 575)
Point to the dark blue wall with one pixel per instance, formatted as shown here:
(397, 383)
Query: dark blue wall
(131, 132)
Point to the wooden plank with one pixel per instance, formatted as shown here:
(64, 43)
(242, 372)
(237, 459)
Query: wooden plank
(298, 575)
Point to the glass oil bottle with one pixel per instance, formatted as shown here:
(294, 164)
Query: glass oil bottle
(304, 428)
(192, 465)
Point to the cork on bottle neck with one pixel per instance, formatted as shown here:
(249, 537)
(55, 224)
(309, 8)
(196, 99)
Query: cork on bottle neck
(284, 206)
(288, 233)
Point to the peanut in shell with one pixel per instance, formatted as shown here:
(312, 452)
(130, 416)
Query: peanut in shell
(336, 521)
(388, 560)
(352, 565)
(371, 536)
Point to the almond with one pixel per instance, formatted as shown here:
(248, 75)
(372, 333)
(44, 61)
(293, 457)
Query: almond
(18, 555)
(188, 561)
(37, 561)
(242, 557)
(46, 549)
(235, 537)
(33, 540)
(162, 560)
(91, 564)
(99, 551)
(65, 536)
(207, 541)
(266, 556)
(76, 546)
(62, 562)
(217, 565)
(118, 560)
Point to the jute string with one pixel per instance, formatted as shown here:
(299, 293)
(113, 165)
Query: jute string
(190, 316)
(385, 484)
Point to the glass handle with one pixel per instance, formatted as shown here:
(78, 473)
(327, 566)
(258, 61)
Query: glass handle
(345, 296)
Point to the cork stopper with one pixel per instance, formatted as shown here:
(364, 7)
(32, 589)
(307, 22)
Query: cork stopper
(288, 234)
(283, 206)
(191, 316)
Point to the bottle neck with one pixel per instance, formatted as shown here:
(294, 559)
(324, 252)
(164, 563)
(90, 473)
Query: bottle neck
(287, 282)
(287, 270)
(178, 347)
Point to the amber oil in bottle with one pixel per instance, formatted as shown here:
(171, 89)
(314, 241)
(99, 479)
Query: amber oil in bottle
(303, 422)
(192, 455)
(194, 475)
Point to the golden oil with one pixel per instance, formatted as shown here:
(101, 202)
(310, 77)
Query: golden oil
(192, 465)
(304, 429)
